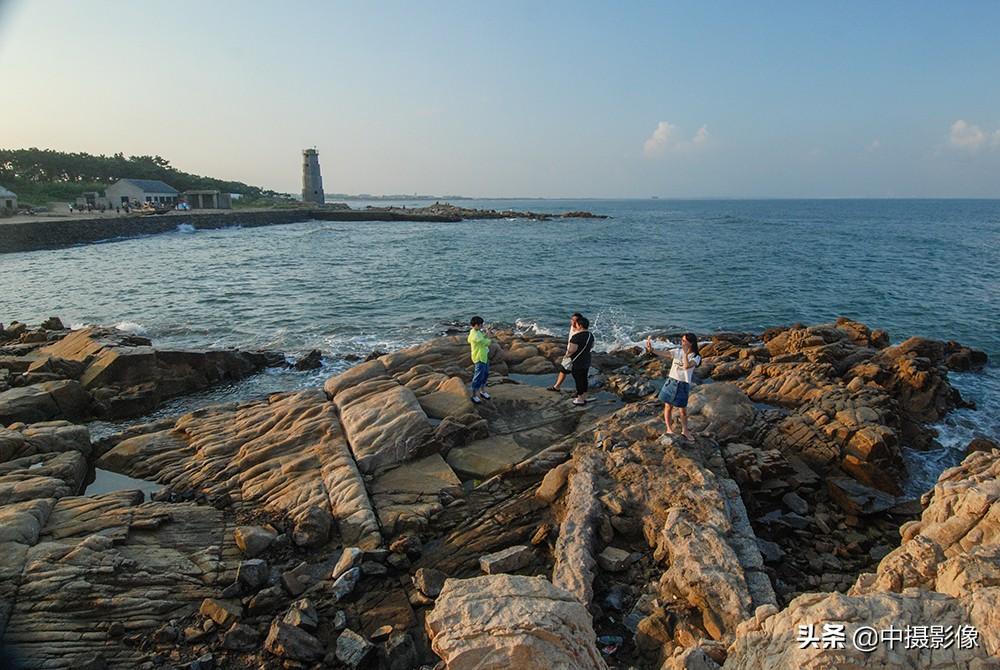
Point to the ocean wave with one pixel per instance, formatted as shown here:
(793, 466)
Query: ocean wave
(185, 228)
(131, 327)
(957, 429)
(529, 327)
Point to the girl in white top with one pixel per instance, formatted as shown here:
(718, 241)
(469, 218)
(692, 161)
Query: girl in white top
(678, 385)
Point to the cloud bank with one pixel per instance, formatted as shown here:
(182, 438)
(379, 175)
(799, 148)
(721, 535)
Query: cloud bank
(969, 137)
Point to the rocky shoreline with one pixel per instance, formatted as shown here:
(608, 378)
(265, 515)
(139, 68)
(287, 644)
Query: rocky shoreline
(386, 522)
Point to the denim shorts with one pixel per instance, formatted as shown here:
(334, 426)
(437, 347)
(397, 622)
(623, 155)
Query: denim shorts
(675, 392)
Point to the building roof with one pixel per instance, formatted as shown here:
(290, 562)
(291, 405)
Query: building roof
(152, 185)
(7, 194)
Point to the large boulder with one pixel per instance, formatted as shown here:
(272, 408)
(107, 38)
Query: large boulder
(504, 621)
(40, 402)
(720, 410)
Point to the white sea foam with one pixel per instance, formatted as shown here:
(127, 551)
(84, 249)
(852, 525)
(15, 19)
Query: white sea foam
(529, 327)
(131, 327)
(958, 428)
(185, 228)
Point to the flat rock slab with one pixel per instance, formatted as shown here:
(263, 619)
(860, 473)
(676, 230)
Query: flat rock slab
(506, 560)
(406, 496)
(484, 458)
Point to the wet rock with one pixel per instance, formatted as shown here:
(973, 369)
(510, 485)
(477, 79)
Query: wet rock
(506, 560)
(290, 642)
(858, 499)
(770, 551)
(203, 662)
(53, 323)
(981, 444)
(400, 562)
(254, 540)
(266, 600)
(400, 652)
(253, 574)
(373, 569)
(429, 581)
(795, 503)
(353, 649)
(311, 361)
(241, 638)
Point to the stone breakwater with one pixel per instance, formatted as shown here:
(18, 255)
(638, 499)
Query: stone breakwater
(49, 234)
(385, 521)
(35, 235)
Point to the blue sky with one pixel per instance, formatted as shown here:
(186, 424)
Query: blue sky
(577, 99)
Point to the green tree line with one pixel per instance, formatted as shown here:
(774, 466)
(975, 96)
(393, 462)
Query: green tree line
(39, 176)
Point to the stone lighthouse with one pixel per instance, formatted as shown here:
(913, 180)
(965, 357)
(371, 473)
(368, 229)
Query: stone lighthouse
(312, 181)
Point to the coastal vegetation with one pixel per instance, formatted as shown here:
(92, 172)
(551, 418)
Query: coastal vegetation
(40, 176)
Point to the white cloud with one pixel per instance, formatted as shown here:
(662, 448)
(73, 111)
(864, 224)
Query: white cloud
(658, 141)
(665, 139)
(970, 137)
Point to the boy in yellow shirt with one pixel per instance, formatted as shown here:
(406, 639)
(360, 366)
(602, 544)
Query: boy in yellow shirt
(480, 345)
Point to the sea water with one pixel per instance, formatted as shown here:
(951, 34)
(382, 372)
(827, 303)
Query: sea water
(913, 267)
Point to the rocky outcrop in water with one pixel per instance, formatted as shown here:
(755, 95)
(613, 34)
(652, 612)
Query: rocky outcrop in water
(385, 521)
(454, 212)
(55, 373)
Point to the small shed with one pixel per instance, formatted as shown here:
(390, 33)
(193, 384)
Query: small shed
(208, 199)
(128, 191)
(8, 202)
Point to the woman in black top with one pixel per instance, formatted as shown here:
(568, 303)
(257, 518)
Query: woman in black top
(578, 349)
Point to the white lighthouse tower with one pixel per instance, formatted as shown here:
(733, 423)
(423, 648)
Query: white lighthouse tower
(312, 181)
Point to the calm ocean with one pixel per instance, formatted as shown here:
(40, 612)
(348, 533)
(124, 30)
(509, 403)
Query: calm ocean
(913, 267)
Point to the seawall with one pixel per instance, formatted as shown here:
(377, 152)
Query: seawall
(49, 234)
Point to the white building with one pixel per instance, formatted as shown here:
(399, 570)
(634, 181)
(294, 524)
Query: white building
(127, 191)
(8, 202)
